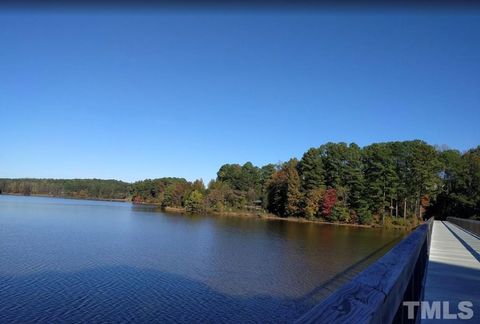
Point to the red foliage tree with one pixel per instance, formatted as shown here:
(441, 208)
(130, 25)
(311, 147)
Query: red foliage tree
(329, 201)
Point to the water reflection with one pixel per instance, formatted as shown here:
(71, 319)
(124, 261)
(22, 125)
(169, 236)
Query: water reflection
(260, 266)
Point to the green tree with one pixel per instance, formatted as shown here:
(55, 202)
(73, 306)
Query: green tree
(277, 193)
(232, 175)
(451, 194)
(340, 213)
(294, 196)
(334, 157)
(354, 180)
(195, 202)
(471, 193)
(199, 185)
(266, 174)
(425, 170)
(311, 170)
(284, 196)
(381, 178)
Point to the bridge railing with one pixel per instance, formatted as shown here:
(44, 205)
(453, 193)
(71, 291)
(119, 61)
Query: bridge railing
(467, 224)
(376, 295)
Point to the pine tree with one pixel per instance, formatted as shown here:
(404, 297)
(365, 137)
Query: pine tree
(311, 170)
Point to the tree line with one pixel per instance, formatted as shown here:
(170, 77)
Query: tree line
(73, 188)
(335, 182)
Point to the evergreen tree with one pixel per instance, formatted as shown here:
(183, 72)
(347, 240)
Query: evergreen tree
(381, 178)
(425, 170)
(334, 157)
(311, 170)
(354, 178)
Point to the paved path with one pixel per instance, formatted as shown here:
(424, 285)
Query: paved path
(453, 272)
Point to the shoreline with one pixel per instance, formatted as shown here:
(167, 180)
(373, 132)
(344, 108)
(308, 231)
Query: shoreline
(245, 214)
(268, 216)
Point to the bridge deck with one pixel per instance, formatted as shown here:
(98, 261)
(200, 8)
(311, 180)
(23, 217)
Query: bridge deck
(453, 272)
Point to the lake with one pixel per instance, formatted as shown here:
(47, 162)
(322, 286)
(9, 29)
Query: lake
(64, 260)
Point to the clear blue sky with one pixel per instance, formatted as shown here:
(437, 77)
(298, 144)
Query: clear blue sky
(134, 96)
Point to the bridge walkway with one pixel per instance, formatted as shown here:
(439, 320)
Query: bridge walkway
(453, 272)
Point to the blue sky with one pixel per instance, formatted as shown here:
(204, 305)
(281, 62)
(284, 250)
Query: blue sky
(145, 95)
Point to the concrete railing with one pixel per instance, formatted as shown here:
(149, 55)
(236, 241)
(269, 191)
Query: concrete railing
(376, 295)
(469, 225)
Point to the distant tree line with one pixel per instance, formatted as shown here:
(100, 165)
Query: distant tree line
(74, 188)
(335, 182)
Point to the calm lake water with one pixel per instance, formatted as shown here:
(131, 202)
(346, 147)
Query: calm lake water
(65, 260)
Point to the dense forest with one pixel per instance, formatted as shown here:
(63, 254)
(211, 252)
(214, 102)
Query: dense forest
(335, 182)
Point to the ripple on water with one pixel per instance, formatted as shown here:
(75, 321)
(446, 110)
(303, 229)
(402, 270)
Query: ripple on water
(65, 261)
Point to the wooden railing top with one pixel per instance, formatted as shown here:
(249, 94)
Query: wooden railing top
(375, 294)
